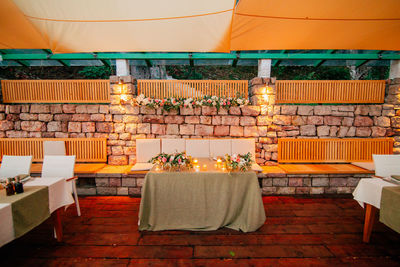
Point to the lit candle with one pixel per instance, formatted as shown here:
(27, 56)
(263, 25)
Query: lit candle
(219, 160)
(204, 166)
(195, 161)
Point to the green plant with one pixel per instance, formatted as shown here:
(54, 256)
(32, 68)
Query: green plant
(96, 72)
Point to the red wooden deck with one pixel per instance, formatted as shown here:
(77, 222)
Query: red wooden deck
(298, 232)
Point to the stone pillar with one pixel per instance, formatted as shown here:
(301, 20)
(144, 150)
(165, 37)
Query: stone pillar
(262, 91)
(394, 69)
(122, 66)
(123, 125)
(264, 68)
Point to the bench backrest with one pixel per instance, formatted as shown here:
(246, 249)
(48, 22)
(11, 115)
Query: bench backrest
(332, 149)
(85, 149)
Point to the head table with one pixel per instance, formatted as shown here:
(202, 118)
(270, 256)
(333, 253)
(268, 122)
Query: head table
(201, 199)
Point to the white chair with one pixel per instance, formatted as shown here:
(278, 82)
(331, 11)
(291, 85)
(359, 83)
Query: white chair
(244, 146)
(62, 166)
(170, 145)
(54, 148)
(145, 150)
(12, 166)
(220, 147)
(198, 148)
(386, 165)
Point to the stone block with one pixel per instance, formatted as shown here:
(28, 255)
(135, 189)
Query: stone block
(204, 130)
(80, 117)
(216, 120)
(102, 181)
(361, 110)
(106, 191)
(262, 130)
(115, 181)
(186, 129)
(172, 129)
(130, 182)
(375, 110)
(131, 128)
(363, 131)
(250, 131)
(207, 111)
(264, 120)
(395, 122)
(205, 119)
(88, 127)
(132, 110)
(315, 120)
(192, 119)
(317, 190)
(146, 118)
(323, 130)
(363, 121)
(230, 120)
(308, 130)
(158, 129)
(45, 117)
(28, 117)
(104, 127)
(33, 126)
(236, 131)
(129, 150)
(305, 110)
(282, 120)
(69, 108)
(122, 191)
(40, 108)
(174, 119)
(74, 127)
(118, 160)
(288, 110)
(234, 111)
(303, 190)
(134, 191)
(186, 111)
(221, 130)
(247, 121)
(97, 117)
(322, 110)
(320, 181)
(143, 128)
(333, 131)
(338, 182)
(268, 190)
(125, 136)
(285, 190)
(280, 181)
(378, 131)
(56, 108)
(249, 111)
(6, 125)
(332, 120)
(117, 109)
(256, 81)
(298, 120)
(347, 121)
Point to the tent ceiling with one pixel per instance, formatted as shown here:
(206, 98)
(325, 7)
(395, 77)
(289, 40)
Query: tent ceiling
(198, 26)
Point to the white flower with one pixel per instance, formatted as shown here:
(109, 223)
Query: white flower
(240, 101)
(145, 101)
(214, 97)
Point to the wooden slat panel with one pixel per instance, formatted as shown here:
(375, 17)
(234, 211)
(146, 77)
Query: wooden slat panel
(85, 149)
(332, 149)
(192, 88)
(372, 91)
(56, 91)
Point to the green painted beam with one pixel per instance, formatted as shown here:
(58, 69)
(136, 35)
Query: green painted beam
(21, 62)
(360, 63)
(278, 61)
(65, 63)
(106, 62)
(200, 56)
(320, 62)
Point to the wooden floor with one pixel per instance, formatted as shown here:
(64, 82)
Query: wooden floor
(298, 232)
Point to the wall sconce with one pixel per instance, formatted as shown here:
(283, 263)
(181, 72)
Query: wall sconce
(122, 87)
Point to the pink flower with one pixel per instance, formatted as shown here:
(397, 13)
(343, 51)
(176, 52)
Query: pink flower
(229, 102)
(238, 160)
(179, 160)
(209, 100)
(164, 159)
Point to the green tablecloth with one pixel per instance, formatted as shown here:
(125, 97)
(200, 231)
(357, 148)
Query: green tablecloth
(29, 209)
(201, 201)
(390, 209)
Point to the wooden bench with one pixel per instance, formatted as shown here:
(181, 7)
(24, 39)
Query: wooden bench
(91, 153)
(338, 152)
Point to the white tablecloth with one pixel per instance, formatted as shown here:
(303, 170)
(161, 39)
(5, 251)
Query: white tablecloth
(59, 191)
(369, 190)
(7, 226)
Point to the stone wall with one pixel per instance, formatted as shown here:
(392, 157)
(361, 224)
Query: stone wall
(122, 123)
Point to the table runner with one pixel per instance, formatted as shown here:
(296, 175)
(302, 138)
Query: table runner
(201, 201)
(390, 210)
(29, 209)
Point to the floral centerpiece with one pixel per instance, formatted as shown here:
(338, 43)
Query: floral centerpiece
(175, 103)
(172, 161)
(238, 162)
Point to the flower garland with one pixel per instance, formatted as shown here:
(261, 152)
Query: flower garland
(172, 160)
(238, 162)
(176, 103)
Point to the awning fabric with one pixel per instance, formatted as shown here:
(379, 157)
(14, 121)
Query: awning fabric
(198, 26)
(132, 25)
(316, 24)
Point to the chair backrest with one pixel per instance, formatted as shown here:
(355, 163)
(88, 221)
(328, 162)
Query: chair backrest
(54, 148)
(170, 145)
(14, 165)
(386, 165)
(146, 149)
(243, 146)
(199, 148)
(58, 166)
(220, 147)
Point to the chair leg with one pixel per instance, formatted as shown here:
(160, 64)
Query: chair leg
(78, 209)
